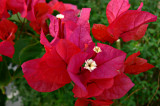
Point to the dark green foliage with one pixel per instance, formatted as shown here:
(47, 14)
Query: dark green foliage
(30, 97)
(5, 76)
(3, 98)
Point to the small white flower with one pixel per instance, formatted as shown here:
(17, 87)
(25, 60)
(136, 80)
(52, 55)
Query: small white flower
(90, 65)
(97, 49)
(60, 16)
(118, 40)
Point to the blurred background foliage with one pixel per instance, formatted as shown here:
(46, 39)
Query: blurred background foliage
(146, 90)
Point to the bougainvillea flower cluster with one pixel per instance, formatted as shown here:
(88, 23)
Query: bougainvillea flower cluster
(123, 23)
(97, 71)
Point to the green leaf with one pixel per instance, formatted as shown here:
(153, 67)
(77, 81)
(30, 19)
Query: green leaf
(19, 45)
(18, 73)
(17, 17)
(30, 52)
(5, 76)
(3, 98)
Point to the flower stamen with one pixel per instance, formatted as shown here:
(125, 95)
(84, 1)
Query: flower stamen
(60, 16)
(97, 49)
(90, 65)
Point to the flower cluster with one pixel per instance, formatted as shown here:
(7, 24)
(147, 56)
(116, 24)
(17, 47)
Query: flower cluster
(97, 70)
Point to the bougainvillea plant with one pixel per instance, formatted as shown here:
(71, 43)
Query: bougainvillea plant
(97, 71)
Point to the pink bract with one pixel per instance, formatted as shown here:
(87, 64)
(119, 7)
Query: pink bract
(75, 30)
(122, 84)
(49, 73)
(88, 84)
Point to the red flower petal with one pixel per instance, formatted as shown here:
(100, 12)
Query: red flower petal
(84, 16)
(30, 8)
(36, 79)
(56, 68)
(116, 8)
(38, 25)
(101, 33)
(136, 65)
(17, 6)
(51, 3)
(134, 19)
(3, 7)
(140, 7)
(73, 69)
(53, 26)
(44, 41)
(6, 48)
(86, 84)
(70, 15)
(94, 87)
(71, 7)
(61, 7)
(97, 86)
(79, 92)
(7, 30)
(48, 73)
(82, 102)
(66, 49)
(80, 36)
(135, 34)
(108, 62)
(1, 58)
(122, 84)
(41, 10)
(86, 102)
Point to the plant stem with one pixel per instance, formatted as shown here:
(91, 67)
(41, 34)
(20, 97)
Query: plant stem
(21, 29)
(118, 43)
(19, 18)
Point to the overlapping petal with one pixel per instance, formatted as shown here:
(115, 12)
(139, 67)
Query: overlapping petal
(50, 72)
(134, 20)
(3, 8)
(136, 65)
(89, 84)
(80, 36)
(17, 6)
(7, 35)
(37, 80)
(122, 84)
(41, 10)
(7, 30)
(66, 50)
(61, 7)
(135, 34)
(101, 33)
(6, 48)
(116, 8)
(110, 60)
(46, 74)
(117, 13)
